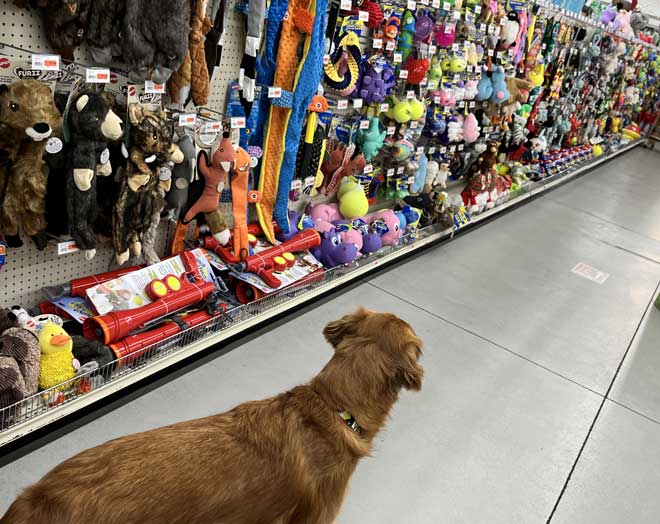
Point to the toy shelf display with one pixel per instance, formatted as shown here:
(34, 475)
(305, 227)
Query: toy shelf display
(158, 200)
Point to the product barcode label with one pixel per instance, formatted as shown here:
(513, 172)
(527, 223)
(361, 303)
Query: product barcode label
(369, 168)
(378, 43)
(399, 170)
(364, 124)
(397, 58)
(46, 62)
(237, 122)
(189, 120)
(357, 103)
(342, 104)
(274, 92)
(64, 248)
(403, 74)
(151, 88)
(97, 76)
(363, 16)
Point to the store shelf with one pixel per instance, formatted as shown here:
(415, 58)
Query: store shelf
(191, 342)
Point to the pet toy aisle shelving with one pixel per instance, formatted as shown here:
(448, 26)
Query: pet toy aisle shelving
(28, 270)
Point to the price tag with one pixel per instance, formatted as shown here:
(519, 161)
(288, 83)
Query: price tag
(431, 150)
(446, 6)
(398, 58)
(457, 15)
(454, 46)
(357, 103)
(460, 147)
(274, 92)
(448, 28)
(309, 181)
(420, 150)
(445, 111)
(237, 122)
(346, 5)
(391, 130)
(411, 180)
(97, 76)
(452, 149)
(369, 168)
(432, 50)
(378, 43)
(326, 59)
(296, 184)
(436, 99)
(64, 248)
(491, 52)
(477, 9)
(342, 104)
(424, 2)
(213, 127)
(435, 4)
(443, 149)
(390, 45)
(412, 5)
(384, 107)
(364, 124)
(457, 77)
(414, 124)
(410, 95)
(390, 171)
(363, 16)
(399, 170)
(403, 74)
(188, 120)
(150, 87)
(46, 62)
(471, 105)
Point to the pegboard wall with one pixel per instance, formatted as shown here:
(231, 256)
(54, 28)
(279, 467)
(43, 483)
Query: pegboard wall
(28, 270)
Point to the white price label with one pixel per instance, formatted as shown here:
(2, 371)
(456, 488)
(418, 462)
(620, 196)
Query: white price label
(420, 150)
(471, 104)
(454, 46)
(274, 92)
(97, 76)
(309, 181)
(399, 170)
(460, 147)
(443, 149)
(436, 99)
(213, 127)
(346, 5)
(391, 130)
(448, 28)
(491, 52)
(412, 5)
(452, 149)
(446, 6)
(424, 2)
(363, 16)
(364, 124)
(378, 43)
(369, 168)
(411, 180)
(296, 184)
(342, 104)
(461, 103)
(403, 74)
(457, 77)
(189, 119)
(390, 171)
(237, 122)
(435, 4)
(414, 124)
(398, 58)
(457, 15)
(432, 50)
(46, 62)
(326, 59)
(384, 107)
(390, 45)
(410, 95)
(64, 248)
(477, 9)
(431, 150)
(151, 88)
(357, 103)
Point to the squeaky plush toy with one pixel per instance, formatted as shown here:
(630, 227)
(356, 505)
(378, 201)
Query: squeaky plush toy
(28, 116)
(57, 362)
(92, 123)
(19, 367)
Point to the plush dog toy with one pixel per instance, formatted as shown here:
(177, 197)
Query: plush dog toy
(28, 116)
(19, 367)
(66, 24)
(91, 123)
(135, 206)
(155, 36)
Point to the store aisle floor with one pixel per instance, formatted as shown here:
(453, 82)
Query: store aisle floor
(542, 389)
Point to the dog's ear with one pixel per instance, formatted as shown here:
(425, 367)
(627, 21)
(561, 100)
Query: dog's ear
(347, 325)
(412, 373)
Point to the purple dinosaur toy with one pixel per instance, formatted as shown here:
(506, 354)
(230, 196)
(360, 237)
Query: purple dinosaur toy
(332, 252)
(299, 222)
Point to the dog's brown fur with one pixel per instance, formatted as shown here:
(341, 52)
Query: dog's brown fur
(283, 460)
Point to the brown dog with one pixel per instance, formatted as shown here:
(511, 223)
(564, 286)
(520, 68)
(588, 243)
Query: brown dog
(283, 460)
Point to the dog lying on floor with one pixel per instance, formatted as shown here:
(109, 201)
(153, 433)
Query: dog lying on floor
(283, 460)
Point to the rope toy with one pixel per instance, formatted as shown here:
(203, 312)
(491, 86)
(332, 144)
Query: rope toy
(346, 54)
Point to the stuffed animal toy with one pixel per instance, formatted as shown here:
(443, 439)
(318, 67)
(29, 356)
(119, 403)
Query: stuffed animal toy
(155, 36)
(182, 176)
(500, 92)
(419, 175)
(509, 30)
(436, 176)
(200, 81)
(66, 23)
(455, 129)
(608, 15)
(425, 203)
(28, 116)
(91, 123)
(471, 129)
(19, 367)
(622, 24)
(134, 209)
(371, 140)
(105, 26)
(85, 351)
(484, 87)
(352, 200)
(215, 174)
(386, 224)
(332, 252)
(57, 361)
(471, 89)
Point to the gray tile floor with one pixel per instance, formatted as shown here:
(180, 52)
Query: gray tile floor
(534, 374)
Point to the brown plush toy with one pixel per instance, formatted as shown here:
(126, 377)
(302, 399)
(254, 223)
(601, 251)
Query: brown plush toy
(138, 199)
(28, 116)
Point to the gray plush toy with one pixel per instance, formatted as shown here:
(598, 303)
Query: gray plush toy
(19, 368)
(155, 36)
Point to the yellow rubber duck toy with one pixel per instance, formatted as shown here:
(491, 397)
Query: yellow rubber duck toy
(57, 361)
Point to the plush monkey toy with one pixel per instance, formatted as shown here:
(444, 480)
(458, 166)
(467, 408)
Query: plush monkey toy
(28, 116)
(92, 123)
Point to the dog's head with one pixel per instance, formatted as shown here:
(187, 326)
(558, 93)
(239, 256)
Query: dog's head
(381, 345)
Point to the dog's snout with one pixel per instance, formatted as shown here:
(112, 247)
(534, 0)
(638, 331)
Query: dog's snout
(41, 127)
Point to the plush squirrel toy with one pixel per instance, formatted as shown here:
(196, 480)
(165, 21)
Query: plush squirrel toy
(91, 123)
(28, 116)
